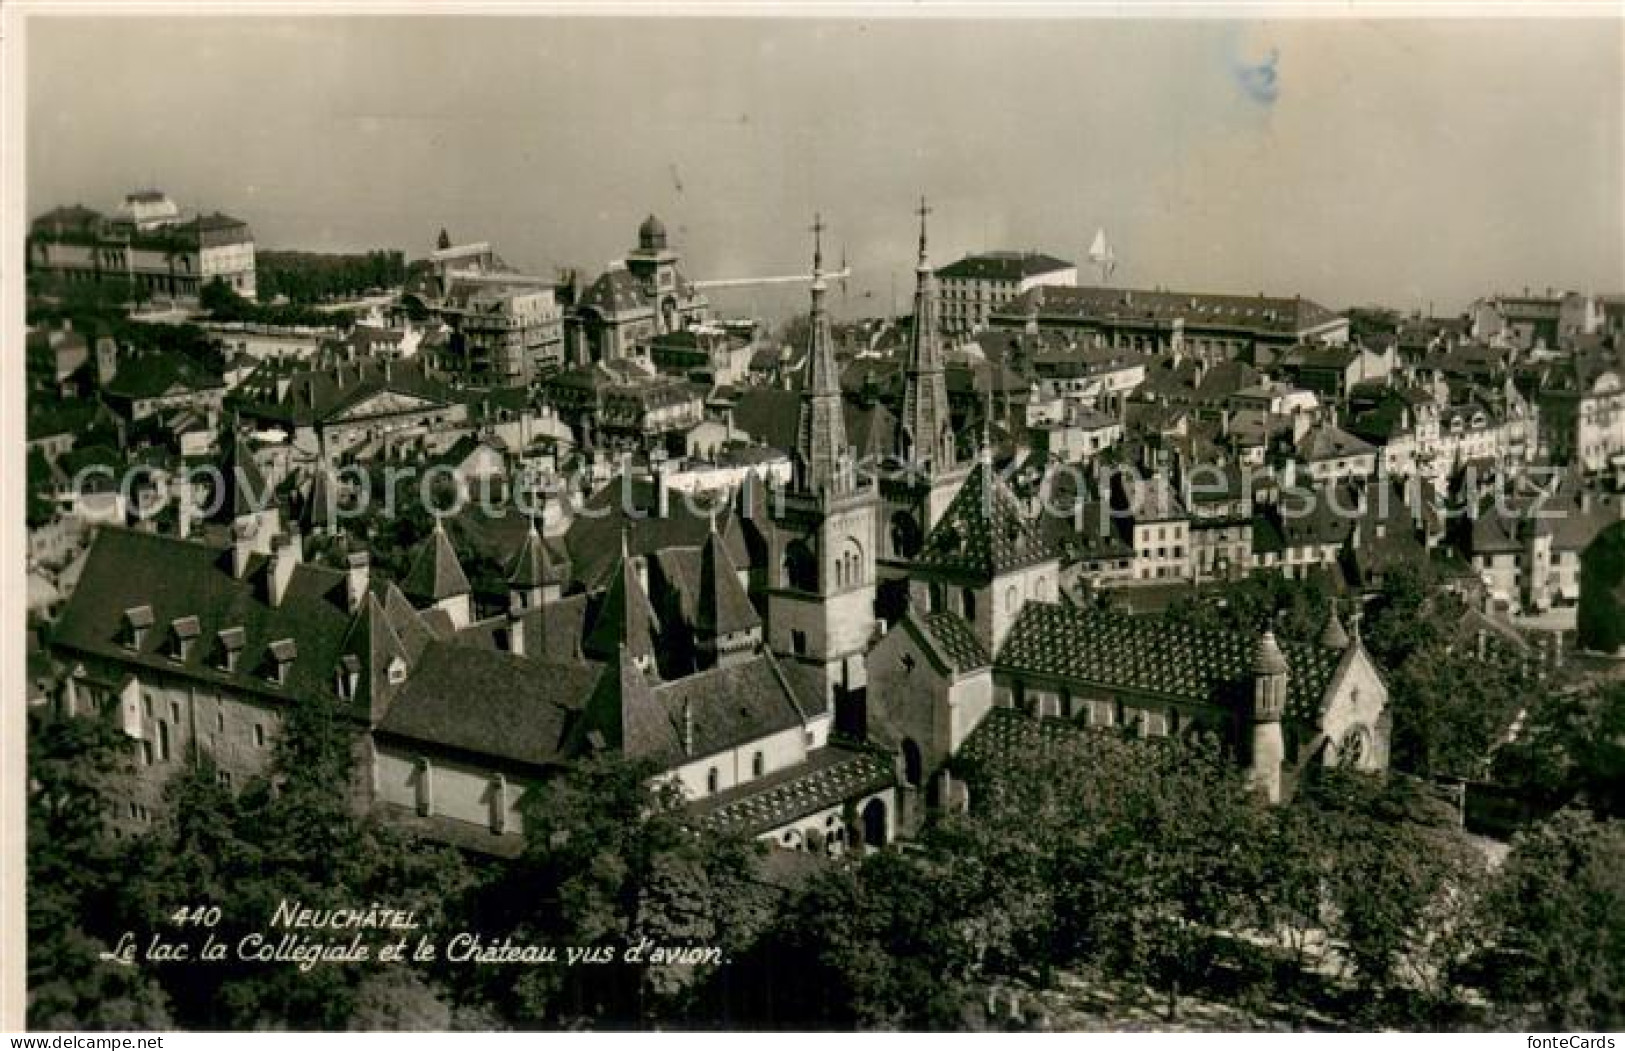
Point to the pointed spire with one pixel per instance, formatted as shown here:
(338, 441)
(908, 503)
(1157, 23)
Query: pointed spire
(820, 427)
(925, 434)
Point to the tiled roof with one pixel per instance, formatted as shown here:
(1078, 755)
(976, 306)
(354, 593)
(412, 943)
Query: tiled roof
(956, 640)
(983, 533)
(594, 538)
(177, 579)
(490, 703)
(724, 608)
(1327, 441)
(436, 573)
(1249, 313)
(313, 396)
(829, 776)
(728, 706)
(625, 618)
(1156, 656)
(1004, 266)
(533, 565)
(152, 375)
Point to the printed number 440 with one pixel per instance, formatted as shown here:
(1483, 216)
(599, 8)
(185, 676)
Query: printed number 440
(201, 915)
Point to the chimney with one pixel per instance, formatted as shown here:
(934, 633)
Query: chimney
(242, 546)
(283, 559)
(357, 566)
(516, 634)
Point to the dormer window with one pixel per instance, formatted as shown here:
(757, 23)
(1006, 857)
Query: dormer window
(137, 622)
(282, 654)
(231, 641)
(182, 636)
(397, 672)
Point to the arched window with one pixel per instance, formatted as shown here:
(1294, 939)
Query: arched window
(711, 778)
(937, 598)
(967, 604)
(913, 764)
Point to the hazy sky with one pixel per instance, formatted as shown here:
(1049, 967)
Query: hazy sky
(1395, 161)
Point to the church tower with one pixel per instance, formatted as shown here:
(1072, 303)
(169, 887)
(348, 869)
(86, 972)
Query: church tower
(924, 473)
(821, 565)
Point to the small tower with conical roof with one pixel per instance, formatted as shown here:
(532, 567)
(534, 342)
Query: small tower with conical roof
(1332, 636)
(534, 577)
(436, 579)
(1268, 751)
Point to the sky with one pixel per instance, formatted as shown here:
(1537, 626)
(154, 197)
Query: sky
(1400, 162)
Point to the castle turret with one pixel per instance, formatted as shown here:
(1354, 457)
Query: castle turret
(1270, 674)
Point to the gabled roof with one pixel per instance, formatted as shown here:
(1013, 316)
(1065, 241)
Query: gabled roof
(490, 703)
(436, 573)
(983, 533)
(1158, 657)
(1327, 441)
(725, 707)
(176, 579)
(152, 375)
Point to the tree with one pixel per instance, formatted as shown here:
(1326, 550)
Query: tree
(1601, 615)
(611, 861)
(75, 769)
(1555, 955)
(1398, 873)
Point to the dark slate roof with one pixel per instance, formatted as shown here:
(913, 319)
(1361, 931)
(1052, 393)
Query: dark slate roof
(1327, 441)
(552, 631)
(625, 618)
(594, 538)
(1155, 656)
(317, 395)
(1004, 266)
(723, 607)
(769, 416)
(436, 573)
(983, 533)
(176, 579)
(489, 703)
(533, 566)
(955, 640)
(829, 776)
(730, 706)
(152, 375)
(1271, 314)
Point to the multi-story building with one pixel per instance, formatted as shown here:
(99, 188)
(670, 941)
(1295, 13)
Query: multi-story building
(644, 296)
(1211, 327)
(973, 288)
(507, 330)
(149, 245)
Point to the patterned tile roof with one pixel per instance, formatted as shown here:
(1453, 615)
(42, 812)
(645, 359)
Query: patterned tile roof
(956, 640)
(983, 533)
(436, 573)
(1155, 656)
(830, 776)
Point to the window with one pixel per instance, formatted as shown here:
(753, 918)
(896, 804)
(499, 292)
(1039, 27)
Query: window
(798, 643)
(163, 741)
(220, 719)
(711, 780)
(259, 735)
(758, 765)
(146, 753)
